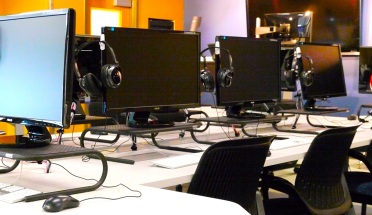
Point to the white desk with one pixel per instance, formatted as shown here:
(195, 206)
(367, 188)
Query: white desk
(152, 201)
(145, 173)
(142, 175)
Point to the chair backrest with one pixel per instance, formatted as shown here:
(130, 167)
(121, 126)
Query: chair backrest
(320, 179)
(231, 169)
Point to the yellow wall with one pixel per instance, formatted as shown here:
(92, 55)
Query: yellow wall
(20, 6)
(107, 4)
(161, 9)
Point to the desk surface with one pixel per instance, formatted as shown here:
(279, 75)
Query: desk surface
(143, 175)
(152, 201)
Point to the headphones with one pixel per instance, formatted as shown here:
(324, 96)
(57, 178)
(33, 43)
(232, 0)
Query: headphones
(291, 69)
(224, 75)
(307, 77)
(290, 74)
(110, 75)
(206, 77)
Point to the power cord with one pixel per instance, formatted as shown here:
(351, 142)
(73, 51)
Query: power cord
(105, 186)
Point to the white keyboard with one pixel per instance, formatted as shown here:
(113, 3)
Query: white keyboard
(178, 161)
(288, 143)
(11, 193)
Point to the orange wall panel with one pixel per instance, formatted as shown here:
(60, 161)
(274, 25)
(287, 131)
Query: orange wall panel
(107, 4)
(161, 9)
(20, 6)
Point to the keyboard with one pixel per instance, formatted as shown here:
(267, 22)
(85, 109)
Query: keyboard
(288, 143)
(11, 193)
(178, 161)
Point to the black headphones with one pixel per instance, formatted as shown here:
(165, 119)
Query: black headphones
(307, 77)
(110, 75)
(291, 70)
(290, 74)
(206, 77)
(224, 75)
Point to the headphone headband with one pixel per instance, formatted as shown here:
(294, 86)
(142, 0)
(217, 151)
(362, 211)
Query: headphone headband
(215, 47)
(110, 75)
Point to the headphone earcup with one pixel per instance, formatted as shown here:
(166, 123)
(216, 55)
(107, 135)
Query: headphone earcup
(290, 78)
(91, 85)
(207, 80)
(111, 75)
(307, 77)
(224, 77)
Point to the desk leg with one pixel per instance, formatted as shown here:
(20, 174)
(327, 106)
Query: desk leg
(172, 147)
(200, 141)
(319, 126)
(275, 126)
(83, 138)
(9, 169)
(79, 189)
(119, 160)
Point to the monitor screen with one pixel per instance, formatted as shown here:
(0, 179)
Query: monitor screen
(365, 68)
(160, 69)
(256, 64)
(329, 80)
(292, 26)
(333, 21)
(36, 76)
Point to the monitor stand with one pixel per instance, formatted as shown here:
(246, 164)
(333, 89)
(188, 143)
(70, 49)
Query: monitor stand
(38, 136)
(311, 106)
(238, 112)
(141, 119)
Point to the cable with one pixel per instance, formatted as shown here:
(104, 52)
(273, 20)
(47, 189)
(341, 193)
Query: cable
(105, 186)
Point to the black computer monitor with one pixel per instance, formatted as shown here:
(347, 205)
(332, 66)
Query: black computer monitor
(365, 70)
(160, 69)
(290, 26)
(329, 79)
(88, 60)
(36, 76)
(256, 64)
(333, 21)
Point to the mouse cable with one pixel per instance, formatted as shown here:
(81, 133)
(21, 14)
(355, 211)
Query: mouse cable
(105, 186)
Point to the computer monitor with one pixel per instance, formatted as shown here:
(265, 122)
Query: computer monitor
(290, 27)
(329, 79)
(160, 69)
(160, 24)
(36, 76)
(333, 21)
(256, 64)
(88, 60)
(365, 69)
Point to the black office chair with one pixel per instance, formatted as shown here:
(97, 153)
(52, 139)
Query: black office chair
(360, 183)
(320, 186)
(231, 169)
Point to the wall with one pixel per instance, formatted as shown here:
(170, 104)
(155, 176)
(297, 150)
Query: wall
(161, 9)
(219, 17)
(20, 6)
(107, 4)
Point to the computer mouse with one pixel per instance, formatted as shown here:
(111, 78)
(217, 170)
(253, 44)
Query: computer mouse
(57, 203)
(352, 117)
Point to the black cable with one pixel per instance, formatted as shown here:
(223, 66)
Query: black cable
(112, 186)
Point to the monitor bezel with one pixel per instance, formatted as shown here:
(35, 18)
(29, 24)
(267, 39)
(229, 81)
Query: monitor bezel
(323, 96)
(158, 107)
(65, 120)
(247, 102)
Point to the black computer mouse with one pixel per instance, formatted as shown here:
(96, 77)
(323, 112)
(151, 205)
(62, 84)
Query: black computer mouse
(60, 202)
(352, 117)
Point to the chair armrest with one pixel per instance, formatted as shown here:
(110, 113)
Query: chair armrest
(281, 185)
(359, 156)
